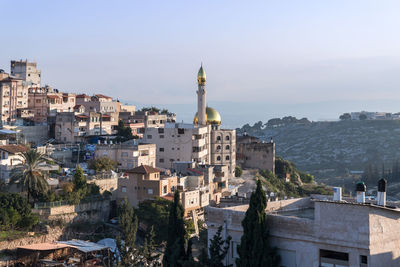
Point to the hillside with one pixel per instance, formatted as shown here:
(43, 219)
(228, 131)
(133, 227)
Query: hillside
(331, 149)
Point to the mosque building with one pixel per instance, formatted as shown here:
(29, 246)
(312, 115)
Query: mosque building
(203, 142)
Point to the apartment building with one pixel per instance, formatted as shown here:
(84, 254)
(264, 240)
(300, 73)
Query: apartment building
(71, 127)
(98, 103)
(13, 98)
(223, 148)
(179, 142)
(128, 155)
(46, 101)
(27, 71)
(145, 182)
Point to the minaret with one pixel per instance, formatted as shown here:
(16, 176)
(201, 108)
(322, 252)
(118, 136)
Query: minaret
(201, 97)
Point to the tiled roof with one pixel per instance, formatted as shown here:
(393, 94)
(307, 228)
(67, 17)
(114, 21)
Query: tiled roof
(144, 169)
(13, 149)
(102, 96)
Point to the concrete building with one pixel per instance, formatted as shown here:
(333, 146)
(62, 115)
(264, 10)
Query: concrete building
(254, 154)
(145, 182)
(27, 71)
(72, 128)
(44, 102)
(223, 143)
(98, 103)
(10, 155)
(179, 142)
(13, 98)
(128, 155)
(317, 231)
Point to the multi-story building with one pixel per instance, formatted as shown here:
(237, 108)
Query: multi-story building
(27, 71)
(10, 155)
(145, 182)
(72, 128)
(13, 98)
(44, 102)
(254, 154)
(128, 155)
(179, 142)
(98, 103)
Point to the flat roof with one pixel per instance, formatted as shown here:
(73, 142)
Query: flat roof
(44, 246)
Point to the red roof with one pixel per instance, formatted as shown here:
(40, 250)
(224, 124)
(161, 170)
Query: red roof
(144, 169)
(82, 96)
(169, 197)
(13, 149)
(102, 96)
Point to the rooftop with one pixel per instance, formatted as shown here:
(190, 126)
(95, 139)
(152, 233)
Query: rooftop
(144, 169)
(13, 149)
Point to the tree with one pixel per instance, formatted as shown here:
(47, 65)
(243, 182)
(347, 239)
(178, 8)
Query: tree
(79, 179)
(218, 251)
(238, 171)
(149, 249)
(254, 248)
(102, 164)
(128, 223)
(174, 255)
(345, 117)
(28, 175)
(362, 117)
(123, 133)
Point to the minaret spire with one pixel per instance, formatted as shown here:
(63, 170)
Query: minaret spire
(201, 96)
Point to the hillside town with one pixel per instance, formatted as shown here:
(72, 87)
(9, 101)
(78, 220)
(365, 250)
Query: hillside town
(89, 181)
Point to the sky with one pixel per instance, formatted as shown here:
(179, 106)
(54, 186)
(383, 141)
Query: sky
(263, 59)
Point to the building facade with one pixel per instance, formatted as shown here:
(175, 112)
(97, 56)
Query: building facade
(27, 71)
(10, 155)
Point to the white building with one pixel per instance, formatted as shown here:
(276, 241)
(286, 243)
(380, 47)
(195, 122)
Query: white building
(10, 155)
(27, 71)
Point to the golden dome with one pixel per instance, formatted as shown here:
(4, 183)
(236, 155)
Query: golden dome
(212, 117)
(201, 76)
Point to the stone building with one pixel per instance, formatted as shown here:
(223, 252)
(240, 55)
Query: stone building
(253, 154)
(317, 231)
(27, 71)
(128, 155)
(98, 103)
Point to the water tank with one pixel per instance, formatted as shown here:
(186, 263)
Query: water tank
(360, 187)
(337, 194)
(382, 183)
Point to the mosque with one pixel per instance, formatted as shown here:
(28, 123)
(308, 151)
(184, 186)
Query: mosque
(203, 141)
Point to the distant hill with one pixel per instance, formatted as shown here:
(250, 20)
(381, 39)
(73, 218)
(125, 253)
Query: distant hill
(331, 149)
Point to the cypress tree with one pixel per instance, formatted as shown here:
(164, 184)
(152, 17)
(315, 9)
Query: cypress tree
(175, 255)
(254, 249)
(217, 249)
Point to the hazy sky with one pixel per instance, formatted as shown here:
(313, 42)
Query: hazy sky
(288, 52)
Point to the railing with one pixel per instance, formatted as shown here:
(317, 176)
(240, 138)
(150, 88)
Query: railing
(46, 205)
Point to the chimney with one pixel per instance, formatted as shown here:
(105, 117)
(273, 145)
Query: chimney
(337, 194)
(381, 201)
(360, 189)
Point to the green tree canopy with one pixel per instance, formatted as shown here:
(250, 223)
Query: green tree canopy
(102, 164)
(238, 171)
(218, 249)
(28, 175)
(254, 248)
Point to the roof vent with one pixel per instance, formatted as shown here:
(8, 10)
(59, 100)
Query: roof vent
(361, 189)
(382, 183)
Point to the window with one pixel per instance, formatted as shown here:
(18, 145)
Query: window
(218, 138)
(363, 261)
(29, 75)
(218, 147)
(123, 189)
(173, 148)
(150, 191)
(181, 131)
(160, 130)
(227, 147)
(227, 158)
(219, 158)
(38, 101)
(161, 160)
(329, 258)
(149, 136)
(227, 138)
(161, 149)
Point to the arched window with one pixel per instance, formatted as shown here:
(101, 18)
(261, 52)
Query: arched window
(227, 138)
(218, 138)
(227, 157)
(219, 158)
(227, 147)
(218, 147)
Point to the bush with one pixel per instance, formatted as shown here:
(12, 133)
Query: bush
(238, 171)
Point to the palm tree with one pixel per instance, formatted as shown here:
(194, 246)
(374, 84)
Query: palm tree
(27, 175)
